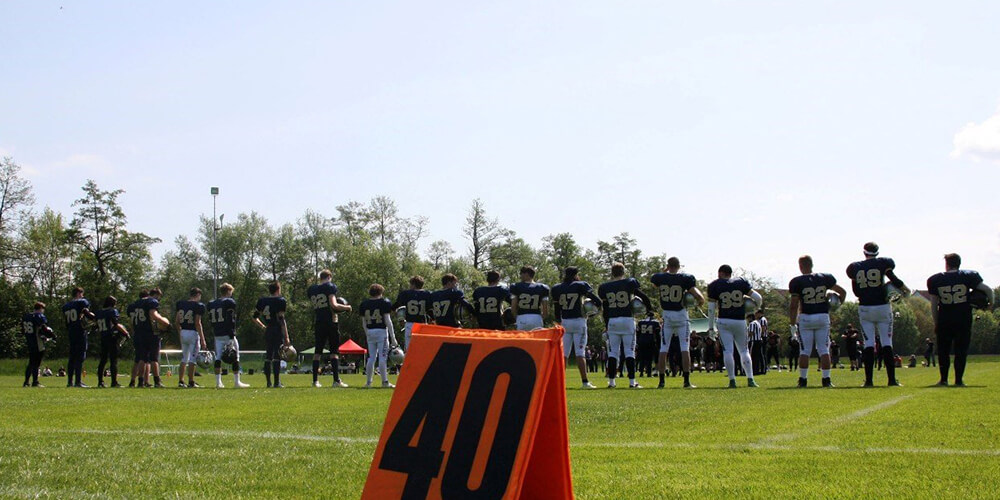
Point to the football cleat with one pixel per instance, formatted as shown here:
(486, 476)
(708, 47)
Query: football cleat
(241, 385)
(689, 385)
(220, 385)
(590, 308)
(827, 382)
(661, 385)
(895, 383)
(388, 385)
(752, 383)
(181, 385)
(588, 385)
(803, 382)
(611, 384)
(339, 383)
(732, 384)
(638, 308)
(368, 385)
(317, 384)
(635, 386)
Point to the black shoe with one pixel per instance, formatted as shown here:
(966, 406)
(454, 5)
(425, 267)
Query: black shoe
(895, 383)
(192, 385)
(115, 385)
(959, 383)
(25, 385)
(268, 385)
(942, 383)
(69, 384)
(868, 383)
(827, 382)
(36, 384)
(158, 385)
(279, 386)
(660, 385)
(131, 384)
(181, 385)
(100, 385)
(81, 385)
(803, 382)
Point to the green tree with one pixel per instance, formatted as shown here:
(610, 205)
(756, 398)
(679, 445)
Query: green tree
(16, 200)
(481, 231)
(985, 333)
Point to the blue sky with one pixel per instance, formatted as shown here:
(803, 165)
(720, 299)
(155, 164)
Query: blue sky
(745, 133)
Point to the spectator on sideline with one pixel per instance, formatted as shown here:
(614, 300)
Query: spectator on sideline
(851, 337)
(929, 360)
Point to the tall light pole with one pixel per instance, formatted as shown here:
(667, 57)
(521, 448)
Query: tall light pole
(215, 248)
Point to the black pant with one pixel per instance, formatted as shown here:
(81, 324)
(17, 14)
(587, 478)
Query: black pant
(109, 351)
(77, 353)
(272, 357)
(953, 336)
(34, 363)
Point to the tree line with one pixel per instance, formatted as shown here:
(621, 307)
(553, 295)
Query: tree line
(44, 253)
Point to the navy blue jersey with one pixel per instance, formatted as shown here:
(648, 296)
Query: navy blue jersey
(443, 305)
(33, 329)
(107, 321)
(222, 316)
(269, 309)
(319, 296)
(730, 294)
(952, 290)
(569, 297)
(529, 297)
(417, 304)
(144, 322)
(488, 301)
(190, 310)
(617, 296)
(811, 289)
(868, 280)
(647, 332)
(671, 288)
(74, 311)
(373, 312)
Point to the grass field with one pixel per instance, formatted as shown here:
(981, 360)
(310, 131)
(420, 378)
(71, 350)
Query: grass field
(300, 442)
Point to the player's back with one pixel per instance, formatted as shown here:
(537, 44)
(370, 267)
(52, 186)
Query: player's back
(671, 288)
(319, 297)
(443, 305)
(270, 308)
(489, 301)
(373, 312)
(190, 310)
(568, 297)
(222, 315)
(952, 290)
(73, 311)
(529, 296)
(812, 292)
(730, 294)
(617, 296)
(868, 280)
(416, 304)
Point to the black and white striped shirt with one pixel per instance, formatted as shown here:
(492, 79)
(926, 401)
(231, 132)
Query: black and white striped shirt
(754, 331)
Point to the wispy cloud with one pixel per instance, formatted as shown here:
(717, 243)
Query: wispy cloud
(979, 141)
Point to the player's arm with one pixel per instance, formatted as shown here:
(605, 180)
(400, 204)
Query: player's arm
(840, 291)
(284, 327)
(390, 330)
(121, 329)
(594, 297)
(645, 299)
(935, 303)
(513, 304)
(200, 330)
(557, 311)
(159, 318)
(713, 305)
(337, 306)
(256, 320)
(177, 320)
(545, 305)
(756, 298)
(898, 283)
(793, 311)
(698, 297)
(462, 302)
(86, 312)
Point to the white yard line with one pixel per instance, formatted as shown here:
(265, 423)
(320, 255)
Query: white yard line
(846, 419)
(783, 447)
(216, 433)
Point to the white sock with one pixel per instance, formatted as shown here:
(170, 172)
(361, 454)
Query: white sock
(218, 379)
(803, 373)
(236, 376)
(826, 373)
(631, 381)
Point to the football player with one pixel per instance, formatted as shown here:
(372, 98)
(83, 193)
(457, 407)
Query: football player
(809, 315)
(74, 311)
(323, 296)
(488, 301)
(568, 297)
(416, 303)
(952, 313)
(376, 315)
(188, 319)
(727, 297)
(150, 314)
(36, 332)
(139, 339)
(672, 286)
(222, 316)
(112, 333)
(648, 338)
(446, 302)
(272, 309)
(617, 295)
(868, 282)
(530, 301)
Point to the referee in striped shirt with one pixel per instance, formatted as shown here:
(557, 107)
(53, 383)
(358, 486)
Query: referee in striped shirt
(762, 346)
(756, 341)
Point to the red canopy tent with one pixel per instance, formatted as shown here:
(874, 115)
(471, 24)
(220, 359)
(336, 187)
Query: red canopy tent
(351, 347)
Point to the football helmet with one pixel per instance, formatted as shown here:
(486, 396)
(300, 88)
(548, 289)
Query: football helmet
(834, 301)
(590, 308)
(979, 299)
(396, 356)
(638, 308)
(229, 354)
(288, 353)
(342, 301)
(895, 293)
(204, 359)
(401, 313)
(749, 306)
(689, 300)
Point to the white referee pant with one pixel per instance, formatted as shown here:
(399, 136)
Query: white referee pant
(876, 320)
(621, 332)
(528, 322)
(575, 336)
(733, 335)
(676, 324)
(814, 330)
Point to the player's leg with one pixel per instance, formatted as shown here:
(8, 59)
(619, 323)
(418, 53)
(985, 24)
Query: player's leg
(580, 343)
(28, 367)
(383, 354)
(960, 346)
(116, 352)
(685, 339)
(807, 337)
(267, 359)
(220, 345)
(320, 335)
(661, 363)
(726, 341)
(740, 338)
(370, 364)
(628, 341)
(103, 360)
(885, 336)
(868, 333)
(822, 339)
(615, 339)
(335, 355)
(275, 348)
